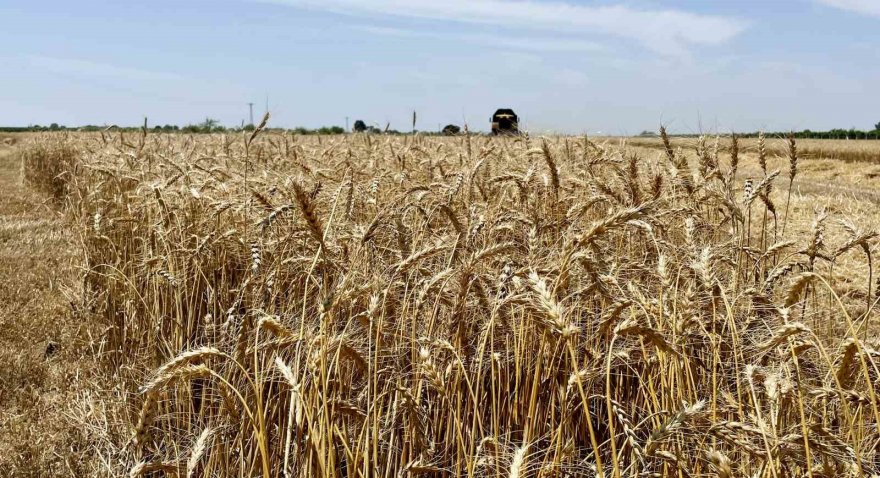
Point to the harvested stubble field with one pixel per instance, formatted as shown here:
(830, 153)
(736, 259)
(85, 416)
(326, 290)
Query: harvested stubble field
(832, 149)
(409, 306)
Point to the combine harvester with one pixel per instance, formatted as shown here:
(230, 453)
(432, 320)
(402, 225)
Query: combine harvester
(505, 121)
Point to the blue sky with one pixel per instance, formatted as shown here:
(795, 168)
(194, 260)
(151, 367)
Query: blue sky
(610, 66)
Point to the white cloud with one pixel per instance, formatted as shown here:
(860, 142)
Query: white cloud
(865, 7)
(94, 69)
(519, 42)
(668, 32)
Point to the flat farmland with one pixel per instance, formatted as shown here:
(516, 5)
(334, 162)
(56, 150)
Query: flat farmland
(373, 305)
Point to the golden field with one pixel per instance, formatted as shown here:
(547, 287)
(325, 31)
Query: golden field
(279, 305)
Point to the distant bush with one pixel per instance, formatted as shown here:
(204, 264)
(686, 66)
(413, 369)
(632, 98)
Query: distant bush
(210, 125)
(331, 130)
(451, 130)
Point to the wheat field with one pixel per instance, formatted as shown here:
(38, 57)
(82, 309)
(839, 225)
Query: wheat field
(386, 306)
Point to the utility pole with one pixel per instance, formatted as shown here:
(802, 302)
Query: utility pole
(346, 124)
(251, 106)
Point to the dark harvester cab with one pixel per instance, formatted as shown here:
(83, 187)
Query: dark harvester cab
(505, 121)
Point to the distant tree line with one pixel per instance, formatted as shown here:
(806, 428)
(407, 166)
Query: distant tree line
(210, 125)
(214, 126)
(207, 126)
(361, 127)
(837, 133)
(204, 128)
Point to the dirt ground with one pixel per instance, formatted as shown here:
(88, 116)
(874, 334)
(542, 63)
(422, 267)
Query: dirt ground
(42, 342)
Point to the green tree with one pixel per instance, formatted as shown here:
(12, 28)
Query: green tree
(360, 126)
(209, 125)
(451, 130)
